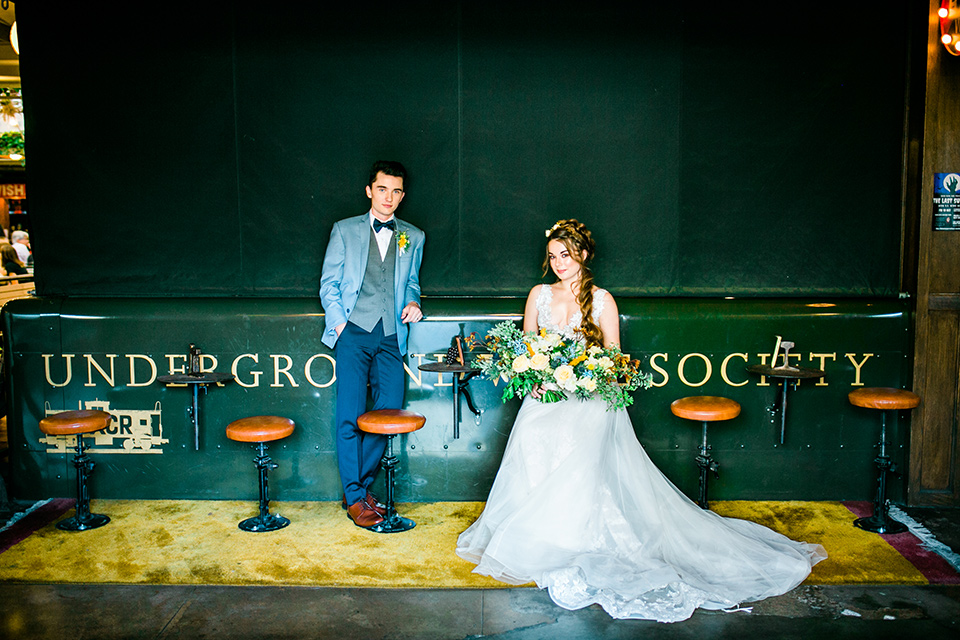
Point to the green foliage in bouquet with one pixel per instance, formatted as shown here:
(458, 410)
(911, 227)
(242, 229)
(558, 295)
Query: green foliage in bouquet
(559, 365)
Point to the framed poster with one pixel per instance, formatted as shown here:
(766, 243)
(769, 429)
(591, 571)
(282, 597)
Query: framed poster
(946, 202)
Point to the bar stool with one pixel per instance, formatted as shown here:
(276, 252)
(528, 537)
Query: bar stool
(260, 430)
(391, 422)
(705, 409)
(77, 423)
(885, 399)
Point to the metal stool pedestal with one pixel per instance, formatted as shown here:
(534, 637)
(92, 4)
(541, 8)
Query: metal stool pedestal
(886, 400)
(259, 430)
(390, 422)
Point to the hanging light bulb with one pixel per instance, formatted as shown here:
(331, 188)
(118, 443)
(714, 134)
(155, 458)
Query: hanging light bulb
(949, 16)
(13, 38)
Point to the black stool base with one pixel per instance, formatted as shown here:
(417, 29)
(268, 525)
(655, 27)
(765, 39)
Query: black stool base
(92, 521)
(393, 524)
(880, 524)
(259, 524)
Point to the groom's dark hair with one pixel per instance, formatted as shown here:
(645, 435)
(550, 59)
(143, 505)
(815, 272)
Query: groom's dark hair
(387, 168)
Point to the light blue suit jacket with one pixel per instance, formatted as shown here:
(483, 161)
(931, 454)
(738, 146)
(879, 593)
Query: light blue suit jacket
(344, 265)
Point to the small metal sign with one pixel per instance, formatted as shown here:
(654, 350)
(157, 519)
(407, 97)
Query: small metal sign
(946, 202)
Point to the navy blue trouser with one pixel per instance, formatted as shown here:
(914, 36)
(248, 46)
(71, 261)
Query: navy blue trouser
(363, 358)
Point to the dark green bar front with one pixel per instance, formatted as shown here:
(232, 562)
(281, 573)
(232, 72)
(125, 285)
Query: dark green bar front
(78, 353)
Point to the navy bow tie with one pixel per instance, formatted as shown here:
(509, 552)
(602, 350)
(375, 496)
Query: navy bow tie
(389, 224)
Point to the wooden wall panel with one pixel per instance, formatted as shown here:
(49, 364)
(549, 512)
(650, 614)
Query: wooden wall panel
(935, 431)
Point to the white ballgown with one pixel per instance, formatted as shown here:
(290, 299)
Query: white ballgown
(578, 508)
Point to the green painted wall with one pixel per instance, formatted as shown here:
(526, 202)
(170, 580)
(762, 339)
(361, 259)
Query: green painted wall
(714, 149)
(273, 346)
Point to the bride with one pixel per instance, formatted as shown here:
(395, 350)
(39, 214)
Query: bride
(578, 508)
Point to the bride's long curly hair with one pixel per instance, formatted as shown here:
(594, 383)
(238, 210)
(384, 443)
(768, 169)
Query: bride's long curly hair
(578, 240)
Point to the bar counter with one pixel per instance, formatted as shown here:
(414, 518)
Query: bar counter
(78, 353)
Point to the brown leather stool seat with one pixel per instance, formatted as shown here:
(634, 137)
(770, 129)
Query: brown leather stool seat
(885, 399)
(705, 409)
(260, 430)
(77, 423)
(391, 422)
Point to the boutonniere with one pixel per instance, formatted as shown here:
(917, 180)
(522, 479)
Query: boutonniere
(403, 242)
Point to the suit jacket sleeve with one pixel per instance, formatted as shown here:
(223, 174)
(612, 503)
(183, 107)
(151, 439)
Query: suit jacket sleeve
(331, 277)
(412, 293)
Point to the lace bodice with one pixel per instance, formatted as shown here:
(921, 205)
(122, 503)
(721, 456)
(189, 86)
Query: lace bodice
(545, 316)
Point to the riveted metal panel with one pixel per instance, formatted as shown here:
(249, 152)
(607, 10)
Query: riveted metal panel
(65, 354)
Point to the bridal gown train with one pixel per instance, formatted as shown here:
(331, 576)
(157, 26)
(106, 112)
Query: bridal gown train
(578, 508)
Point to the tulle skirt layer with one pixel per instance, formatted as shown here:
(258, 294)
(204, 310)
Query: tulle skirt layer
(578, 508)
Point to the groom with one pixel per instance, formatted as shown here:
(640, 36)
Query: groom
(370, 290)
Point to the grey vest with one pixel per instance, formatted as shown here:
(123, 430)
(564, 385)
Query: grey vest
(376, 300)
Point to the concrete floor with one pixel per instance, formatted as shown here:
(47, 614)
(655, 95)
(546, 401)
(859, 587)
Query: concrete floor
(123, 611)
(38, 611)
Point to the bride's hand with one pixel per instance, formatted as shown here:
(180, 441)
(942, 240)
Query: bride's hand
(536, 392)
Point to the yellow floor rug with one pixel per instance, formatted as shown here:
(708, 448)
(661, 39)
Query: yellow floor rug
(198, 542)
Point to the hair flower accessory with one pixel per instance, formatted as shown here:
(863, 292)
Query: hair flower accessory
(403, 242)
(551, 229)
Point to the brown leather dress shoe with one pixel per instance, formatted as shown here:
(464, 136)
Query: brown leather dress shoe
(375, 504)
(363, 515)
(371, 501)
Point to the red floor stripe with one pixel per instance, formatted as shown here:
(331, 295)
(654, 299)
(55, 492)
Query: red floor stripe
(36, 519)
(933, 567)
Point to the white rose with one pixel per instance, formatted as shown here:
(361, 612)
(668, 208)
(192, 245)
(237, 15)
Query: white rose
(565, 376)
(588, 383)
(606, 362)
(520, 364)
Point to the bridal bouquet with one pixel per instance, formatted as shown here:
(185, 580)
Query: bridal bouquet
(560, 366)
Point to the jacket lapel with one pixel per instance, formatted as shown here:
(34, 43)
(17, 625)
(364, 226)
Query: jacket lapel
(363, 239)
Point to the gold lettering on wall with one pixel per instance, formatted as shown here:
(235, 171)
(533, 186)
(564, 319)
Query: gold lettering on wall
(173, 368)
(763, 361)
(256, 374)
(143, 369)
(133, 357)
(658, 369)
(440, 383)
(723, 369)
(285, 370)
(208, 363)
(822, 366)
(683, 362)
(418, 377)
(857, 366)
(46, 369)
(333, 371)
(92, 364)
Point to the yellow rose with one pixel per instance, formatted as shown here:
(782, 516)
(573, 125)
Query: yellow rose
(520, 364)
(539, 362)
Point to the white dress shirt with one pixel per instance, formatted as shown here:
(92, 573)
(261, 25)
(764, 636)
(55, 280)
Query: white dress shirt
(383, 237)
